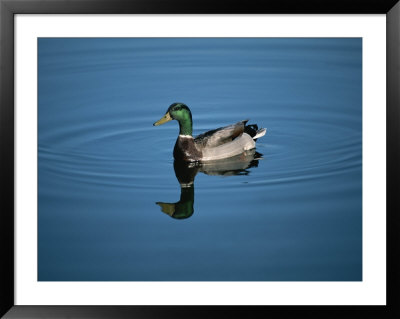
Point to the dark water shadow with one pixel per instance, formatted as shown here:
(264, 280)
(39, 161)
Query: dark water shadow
(186, 173)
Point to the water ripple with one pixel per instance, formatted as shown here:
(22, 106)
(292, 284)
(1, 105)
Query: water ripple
(108, 153)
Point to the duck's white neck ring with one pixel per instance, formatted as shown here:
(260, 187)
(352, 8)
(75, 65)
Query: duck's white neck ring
(185, 136)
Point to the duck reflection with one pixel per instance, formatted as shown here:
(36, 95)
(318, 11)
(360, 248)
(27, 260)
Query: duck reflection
(186, 173)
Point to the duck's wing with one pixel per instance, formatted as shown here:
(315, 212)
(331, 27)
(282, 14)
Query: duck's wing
(220, 135)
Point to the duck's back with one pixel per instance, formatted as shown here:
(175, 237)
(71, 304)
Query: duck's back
(220, 135)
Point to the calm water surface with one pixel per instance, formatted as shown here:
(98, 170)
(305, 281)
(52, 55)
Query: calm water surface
(112, 204)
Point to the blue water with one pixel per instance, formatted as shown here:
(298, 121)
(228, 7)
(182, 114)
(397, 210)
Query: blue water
(111, 204)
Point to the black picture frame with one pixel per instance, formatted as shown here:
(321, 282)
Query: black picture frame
(8, 8)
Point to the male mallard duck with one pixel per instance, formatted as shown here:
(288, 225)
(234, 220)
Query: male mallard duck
(217, 144)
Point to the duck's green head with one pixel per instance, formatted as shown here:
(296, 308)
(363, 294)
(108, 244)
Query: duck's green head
(181, 113)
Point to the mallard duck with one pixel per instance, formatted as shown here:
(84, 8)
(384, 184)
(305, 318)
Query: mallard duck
(216, 144)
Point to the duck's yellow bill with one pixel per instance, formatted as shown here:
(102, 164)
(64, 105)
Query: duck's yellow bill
(166, 118)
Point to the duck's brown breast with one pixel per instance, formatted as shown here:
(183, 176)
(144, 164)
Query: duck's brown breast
(186, 150)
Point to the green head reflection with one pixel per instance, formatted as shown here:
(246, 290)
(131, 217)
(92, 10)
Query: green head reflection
(186, 173)
(182, 209)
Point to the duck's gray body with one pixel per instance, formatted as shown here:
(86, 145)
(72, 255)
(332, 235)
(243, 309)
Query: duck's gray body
(217, 144)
